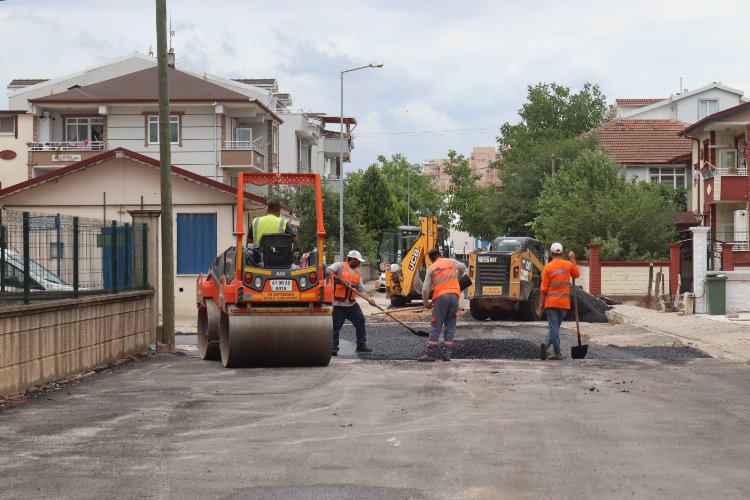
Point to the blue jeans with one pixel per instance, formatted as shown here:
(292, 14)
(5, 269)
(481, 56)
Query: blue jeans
(554, 320)
(354, 314)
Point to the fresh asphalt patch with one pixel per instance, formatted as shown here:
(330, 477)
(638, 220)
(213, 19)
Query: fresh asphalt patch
(391, 341)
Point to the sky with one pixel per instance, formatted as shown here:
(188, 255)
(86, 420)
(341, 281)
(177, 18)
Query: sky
(453, 72)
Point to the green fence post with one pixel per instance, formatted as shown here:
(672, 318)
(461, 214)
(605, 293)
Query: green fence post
(127, 245)
(114, 256)
(144, 243)
(75, 258)
(26, 277)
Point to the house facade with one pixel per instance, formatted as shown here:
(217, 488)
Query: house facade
(16, 130)
(220, 125)
(687, 106)
(719, 173)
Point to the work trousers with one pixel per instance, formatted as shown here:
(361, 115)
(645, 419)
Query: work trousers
(444, 310)
(354, 314)
(554, 320)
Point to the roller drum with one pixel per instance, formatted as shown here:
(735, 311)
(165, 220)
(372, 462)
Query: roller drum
(275, 340)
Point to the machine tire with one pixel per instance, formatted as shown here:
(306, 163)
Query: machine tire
(533, 309)
(477, 312)
(399, 301)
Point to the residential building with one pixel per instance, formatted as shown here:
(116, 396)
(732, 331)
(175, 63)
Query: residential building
(720, 158)
(480, 163)
(219, 125)
(648, 150)
(687, 106)
(16, 129)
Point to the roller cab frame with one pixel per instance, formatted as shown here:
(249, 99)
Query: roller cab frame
(507, 279)
(266, 316)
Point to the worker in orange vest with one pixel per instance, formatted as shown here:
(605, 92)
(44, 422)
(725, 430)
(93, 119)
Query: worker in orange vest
(442, 278)
(556, 288)
(345, 305)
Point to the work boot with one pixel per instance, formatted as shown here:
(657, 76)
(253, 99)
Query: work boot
(364, 348)
(447, 351)
(425, 357)
(543, 351)
(556, 356)
(334, 352)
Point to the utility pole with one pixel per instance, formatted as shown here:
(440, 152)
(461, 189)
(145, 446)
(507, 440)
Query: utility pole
(165, 159)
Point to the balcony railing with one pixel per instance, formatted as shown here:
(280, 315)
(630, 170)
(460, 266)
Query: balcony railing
(738, 238)
(742, 170)
(67, 146)
(256, 145)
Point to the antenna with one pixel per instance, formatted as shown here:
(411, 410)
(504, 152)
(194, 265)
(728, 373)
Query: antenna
(150, 51)
(171, 33)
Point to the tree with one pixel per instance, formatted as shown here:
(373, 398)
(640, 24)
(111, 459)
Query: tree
(377, 205)
(413, 191)
(549, 133)
(590, 201)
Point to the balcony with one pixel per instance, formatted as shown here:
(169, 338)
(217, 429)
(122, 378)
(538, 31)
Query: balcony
(52, 155)
(332, 145)
(243, 153)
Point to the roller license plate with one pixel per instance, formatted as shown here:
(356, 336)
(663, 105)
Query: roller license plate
(492, 290)
(281, 285)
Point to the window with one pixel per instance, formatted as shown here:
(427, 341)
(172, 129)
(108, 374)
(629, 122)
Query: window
(7, 124)
(671, 176)
(196, 242)
(728, 158)
(153, 129)
(84, 129)
(707, 107)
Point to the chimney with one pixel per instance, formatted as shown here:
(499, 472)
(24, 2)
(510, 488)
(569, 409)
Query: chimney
(170, 58)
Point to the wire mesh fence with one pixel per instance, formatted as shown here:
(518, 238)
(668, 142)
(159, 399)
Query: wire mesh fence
(45, 256)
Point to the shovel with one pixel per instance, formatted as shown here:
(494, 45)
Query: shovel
(578, 351)
(419, 333)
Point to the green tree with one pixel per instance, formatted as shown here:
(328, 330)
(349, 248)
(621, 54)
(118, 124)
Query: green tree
(413, 191)
(548, 134)
(590, 201)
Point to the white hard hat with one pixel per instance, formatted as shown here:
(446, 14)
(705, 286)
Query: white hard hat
(355, 255)
(556, 248)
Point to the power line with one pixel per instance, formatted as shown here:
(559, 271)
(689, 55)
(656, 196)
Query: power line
(465, 131)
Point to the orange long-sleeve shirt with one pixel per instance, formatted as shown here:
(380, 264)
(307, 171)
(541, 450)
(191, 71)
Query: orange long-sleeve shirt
(557, 280)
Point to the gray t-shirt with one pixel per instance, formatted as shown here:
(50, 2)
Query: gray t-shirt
(335, 268)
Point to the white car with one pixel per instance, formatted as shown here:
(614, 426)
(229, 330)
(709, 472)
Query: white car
(381, 282)
(41, 277)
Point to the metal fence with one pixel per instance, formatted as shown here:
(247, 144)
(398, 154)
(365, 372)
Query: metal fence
(46, 256)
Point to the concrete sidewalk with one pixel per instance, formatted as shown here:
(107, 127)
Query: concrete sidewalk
(717, 336)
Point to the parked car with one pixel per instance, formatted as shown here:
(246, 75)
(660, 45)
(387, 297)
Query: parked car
(381, 282)
(42, 279)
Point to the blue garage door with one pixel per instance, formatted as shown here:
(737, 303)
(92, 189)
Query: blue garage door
(196, 242)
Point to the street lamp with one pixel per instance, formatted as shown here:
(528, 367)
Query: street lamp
(341, 159)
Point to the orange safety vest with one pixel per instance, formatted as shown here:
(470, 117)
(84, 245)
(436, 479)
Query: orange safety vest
(352, 278)
(557, 283)
(444, 279)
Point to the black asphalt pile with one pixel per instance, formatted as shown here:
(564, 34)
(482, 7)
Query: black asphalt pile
(393, 342)
(590, 308)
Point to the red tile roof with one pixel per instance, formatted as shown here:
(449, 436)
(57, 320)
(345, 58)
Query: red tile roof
(643, 141)
(94, 160)
(637, 102)
(683, 218)
(143, 86)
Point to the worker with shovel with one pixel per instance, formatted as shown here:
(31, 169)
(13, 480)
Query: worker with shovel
(557, 283)
(442, 277)
(348, 282)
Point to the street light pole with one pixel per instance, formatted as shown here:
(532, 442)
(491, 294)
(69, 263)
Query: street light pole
(341, 159)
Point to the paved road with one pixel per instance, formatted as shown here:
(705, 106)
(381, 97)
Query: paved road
(172, 426)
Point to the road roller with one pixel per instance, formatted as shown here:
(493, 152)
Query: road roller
(256, 308)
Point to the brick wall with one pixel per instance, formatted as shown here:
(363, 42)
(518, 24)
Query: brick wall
(62, 338)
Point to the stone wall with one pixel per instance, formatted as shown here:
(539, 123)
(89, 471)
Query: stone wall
(59, 339)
